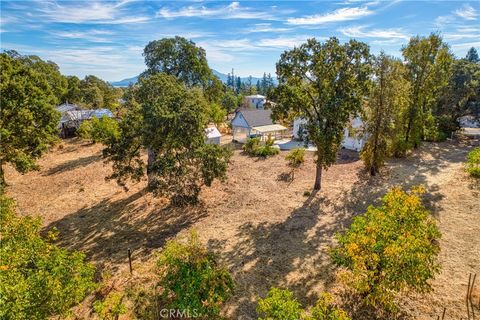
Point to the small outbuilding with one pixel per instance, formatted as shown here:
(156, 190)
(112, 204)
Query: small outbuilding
(249, 123)
(255, 101)
(212, 135)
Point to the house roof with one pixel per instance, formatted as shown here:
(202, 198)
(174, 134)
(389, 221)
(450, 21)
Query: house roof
(269, 128)
(212, 132)
(259, 96)
(67, 107)
(257, 117)
(80, 115)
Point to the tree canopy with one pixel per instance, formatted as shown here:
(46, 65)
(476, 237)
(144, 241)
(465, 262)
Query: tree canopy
(324, 84)
(28, 119)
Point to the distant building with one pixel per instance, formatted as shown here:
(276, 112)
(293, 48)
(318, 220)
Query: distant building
(255, 123)
(73, 115)
(212, 135)
(353, 138)
(255, 101)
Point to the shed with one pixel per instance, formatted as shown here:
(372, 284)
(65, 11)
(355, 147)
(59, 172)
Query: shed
(255, 122)
(212, 135)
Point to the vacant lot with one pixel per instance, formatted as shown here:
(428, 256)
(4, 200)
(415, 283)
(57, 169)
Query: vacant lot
(266, 230)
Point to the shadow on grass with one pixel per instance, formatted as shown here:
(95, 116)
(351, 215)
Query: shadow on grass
(74, 164)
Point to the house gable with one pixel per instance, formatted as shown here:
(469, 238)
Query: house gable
(239, 121)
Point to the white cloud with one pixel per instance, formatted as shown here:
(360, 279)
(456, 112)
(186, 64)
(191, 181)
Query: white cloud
(89, 12)
(466, 12)
(358, 32)
(343, 14)
(231, 11)
(466, 45)
(265, 27)
(91, 35)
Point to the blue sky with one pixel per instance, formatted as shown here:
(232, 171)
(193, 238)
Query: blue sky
(106, 38)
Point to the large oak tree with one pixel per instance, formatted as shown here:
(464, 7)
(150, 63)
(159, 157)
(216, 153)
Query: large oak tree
(325, 84)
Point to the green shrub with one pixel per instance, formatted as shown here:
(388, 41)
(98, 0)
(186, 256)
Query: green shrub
(296, 157)
(251, 145)
(266, 151)
(192, 280)
(391, 248)
(37, 279)
(473, 163)
(110, 307)
(279, 304)
(99, 130)
(326, 310)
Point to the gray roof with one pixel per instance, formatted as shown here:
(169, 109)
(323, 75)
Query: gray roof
(67, 107)
(257, 117)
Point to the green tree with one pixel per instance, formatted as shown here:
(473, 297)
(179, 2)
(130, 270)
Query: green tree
(325, 309)
(37, 279)
(171, 128)
(28, 120)
(389, 249)
(388, 98)
(472, 55)
(99, 130)
(73, 94)
(179, 58)
(229, 101)
(428, 61)
(216, 114)
(192, 279)
(325, 84)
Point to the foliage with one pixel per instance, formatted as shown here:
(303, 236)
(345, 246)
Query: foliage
(389, 249)
(96, 93)
(99, 130)
(388, 99)
(255, 147)
(192, 280)
(216, 114)
(110, 307)
(279, 304)
(169, 122)
(37, 278)
(323, 83)
(472, 55)
(179, 58)
(428, 61)
(296, 157)
(28, 121)
(473, 163)
(229, 102)
(324, 309)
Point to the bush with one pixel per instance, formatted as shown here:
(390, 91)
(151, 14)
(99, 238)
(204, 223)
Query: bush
(296, 157)
(279, 305)
(99, 130)
(37, 279)
(254, 147)
(191, 279)
(326, 310)
(389, 249)
(110, 307)
(473, 163)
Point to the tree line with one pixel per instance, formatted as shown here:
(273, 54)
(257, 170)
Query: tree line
(402, 101)
(262, 86)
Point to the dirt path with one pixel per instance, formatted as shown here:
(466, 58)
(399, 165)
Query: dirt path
(266, 230)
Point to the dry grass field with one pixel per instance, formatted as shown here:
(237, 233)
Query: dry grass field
(266, 230)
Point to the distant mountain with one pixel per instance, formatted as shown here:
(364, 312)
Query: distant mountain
(124, 82)
(222, 76)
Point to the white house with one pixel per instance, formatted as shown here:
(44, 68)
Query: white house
(255, 101)
(469, 122)
(72, 116)
(255, 123)
(352, 134)
(212, 135)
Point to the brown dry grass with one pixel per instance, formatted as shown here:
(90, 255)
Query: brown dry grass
(264, 229)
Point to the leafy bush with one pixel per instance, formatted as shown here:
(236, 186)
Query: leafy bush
(99, 130)
(251, 145)
(296, 157)
(254, 147)
(326, 310)
(391, 248)
(110, 307)
(192, 280)
(279, 304)
(37, 279)
(473, 163)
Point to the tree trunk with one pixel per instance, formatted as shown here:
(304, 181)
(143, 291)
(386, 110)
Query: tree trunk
(150, 161)
(373, 170)
(318, 177)
(3, 184)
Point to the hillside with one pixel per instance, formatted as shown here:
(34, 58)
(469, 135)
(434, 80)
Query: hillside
(265, 230)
